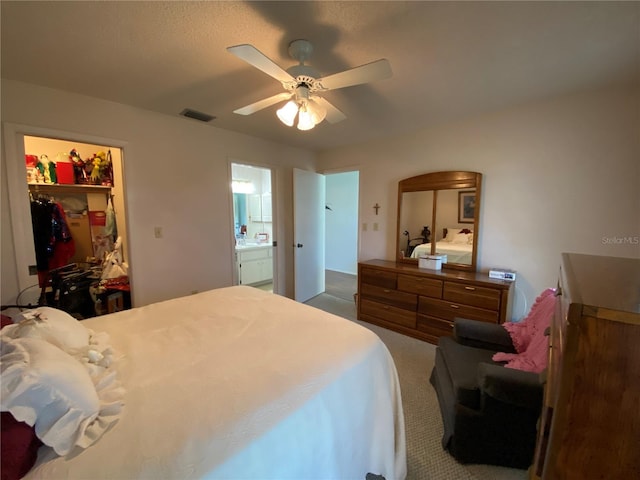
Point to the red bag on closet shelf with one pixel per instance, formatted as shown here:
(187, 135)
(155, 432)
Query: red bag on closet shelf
(64, 171)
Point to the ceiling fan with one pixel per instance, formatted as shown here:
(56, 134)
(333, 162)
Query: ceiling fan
(304, 85)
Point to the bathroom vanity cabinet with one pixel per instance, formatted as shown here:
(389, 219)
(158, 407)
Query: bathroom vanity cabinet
(254, 263)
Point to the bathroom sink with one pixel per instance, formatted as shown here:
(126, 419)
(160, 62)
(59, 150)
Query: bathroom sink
(252, 245)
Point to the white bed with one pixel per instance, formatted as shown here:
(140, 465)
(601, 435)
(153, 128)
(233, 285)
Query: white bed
(456, 244)
(237, 383)
(456, 252)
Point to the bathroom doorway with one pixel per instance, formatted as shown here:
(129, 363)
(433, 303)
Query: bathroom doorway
(253, 226)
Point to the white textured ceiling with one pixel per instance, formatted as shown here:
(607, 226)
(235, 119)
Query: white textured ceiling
(450, 60)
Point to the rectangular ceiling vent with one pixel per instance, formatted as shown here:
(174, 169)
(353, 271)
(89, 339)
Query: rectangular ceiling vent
(203, 117)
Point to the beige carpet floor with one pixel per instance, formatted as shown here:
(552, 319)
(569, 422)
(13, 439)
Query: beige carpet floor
(426, 460)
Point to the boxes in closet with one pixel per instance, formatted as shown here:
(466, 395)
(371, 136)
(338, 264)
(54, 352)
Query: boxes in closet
(64, 172)
(431, 262)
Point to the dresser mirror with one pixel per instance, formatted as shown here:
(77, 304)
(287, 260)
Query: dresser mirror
(438, 213)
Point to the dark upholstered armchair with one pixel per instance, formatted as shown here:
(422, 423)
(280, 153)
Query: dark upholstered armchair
(489, 412)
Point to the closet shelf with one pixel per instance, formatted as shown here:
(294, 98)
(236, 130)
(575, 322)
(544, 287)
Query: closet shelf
(55, 188)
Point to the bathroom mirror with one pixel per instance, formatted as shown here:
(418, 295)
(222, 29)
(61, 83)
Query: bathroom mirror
(438, 213)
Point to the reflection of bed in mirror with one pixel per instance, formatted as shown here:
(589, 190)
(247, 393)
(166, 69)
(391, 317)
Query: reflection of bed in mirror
(457, 244)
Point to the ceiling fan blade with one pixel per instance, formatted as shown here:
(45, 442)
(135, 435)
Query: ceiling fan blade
(369, 72)
(333, 114)
(253, 56)
(267, 102)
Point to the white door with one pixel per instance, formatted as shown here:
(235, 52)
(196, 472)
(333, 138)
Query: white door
(309, 236)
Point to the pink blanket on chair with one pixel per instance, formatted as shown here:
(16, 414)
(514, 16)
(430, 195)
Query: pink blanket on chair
(528, 336)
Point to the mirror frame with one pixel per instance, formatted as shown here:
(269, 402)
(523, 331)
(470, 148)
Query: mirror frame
(454, 180)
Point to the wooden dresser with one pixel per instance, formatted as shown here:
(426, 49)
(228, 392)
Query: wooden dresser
(423, 303)
(590, 423)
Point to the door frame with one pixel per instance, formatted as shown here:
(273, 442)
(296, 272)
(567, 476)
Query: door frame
(274, 221)
(19, 205)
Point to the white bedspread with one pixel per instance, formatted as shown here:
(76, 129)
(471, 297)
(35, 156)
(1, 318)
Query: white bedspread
(456, 252)
(240, 383)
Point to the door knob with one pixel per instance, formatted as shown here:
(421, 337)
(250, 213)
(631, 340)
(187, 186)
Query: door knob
(299, 245)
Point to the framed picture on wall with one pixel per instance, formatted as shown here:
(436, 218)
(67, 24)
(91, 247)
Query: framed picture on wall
(466, 206)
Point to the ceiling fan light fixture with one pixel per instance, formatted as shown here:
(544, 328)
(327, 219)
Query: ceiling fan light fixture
(287, 114)
(302, 81)
(305, 119)
(318, 112)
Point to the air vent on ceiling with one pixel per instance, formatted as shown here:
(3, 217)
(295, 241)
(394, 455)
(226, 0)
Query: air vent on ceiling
(203, 117)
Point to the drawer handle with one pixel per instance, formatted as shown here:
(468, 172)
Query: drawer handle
(387, 291)
(386, 307)
(454, 306)
(469, 288)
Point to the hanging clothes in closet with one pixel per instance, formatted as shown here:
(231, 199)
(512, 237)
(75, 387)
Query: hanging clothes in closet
(53, 242)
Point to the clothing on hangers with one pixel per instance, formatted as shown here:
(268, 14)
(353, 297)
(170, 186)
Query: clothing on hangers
(52, 238)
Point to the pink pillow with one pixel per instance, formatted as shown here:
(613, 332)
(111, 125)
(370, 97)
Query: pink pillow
(528, 336)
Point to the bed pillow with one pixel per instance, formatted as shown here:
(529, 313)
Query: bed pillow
(451, 233)
(50, 324)
(47, 388)
(18, 448)
(5, 321)
(461, 238)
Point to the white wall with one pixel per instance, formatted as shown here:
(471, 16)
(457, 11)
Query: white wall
(341, 243)
(562, 175)
(177, 174)
(559, 175)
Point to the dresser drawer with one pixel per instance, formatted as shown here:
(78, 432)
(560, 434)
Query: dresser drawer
(488, 298)
(380, 278)
(449, 310)
(408, 301)
(428, 287)
(435, 326)
(388, 313)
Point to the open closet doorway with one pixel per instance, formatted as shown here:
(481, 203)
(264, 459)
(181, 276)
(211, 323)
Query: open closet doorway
(253, 226)
(341, 230)
(68, 221)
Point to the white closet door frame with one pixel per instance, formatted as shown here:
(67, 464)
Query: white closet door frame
(19, 205)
